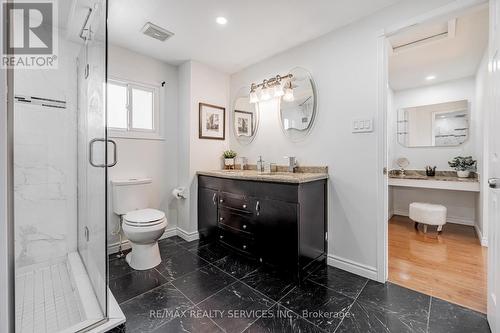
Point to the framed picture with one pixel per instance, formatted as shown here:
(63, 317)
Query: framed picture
(243, 122)
(212, 122)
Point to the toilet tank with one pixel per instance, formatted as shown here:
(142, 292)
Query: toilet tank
(130, 194)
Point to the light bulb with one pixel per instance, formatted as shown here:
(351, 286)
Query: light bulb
(253, 97)
(265, 94)
(288, 93)
(278, 90)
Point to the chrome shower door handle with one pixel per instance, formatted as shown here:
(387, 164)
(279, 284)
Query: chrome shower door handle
(115, 154)
(91, 153)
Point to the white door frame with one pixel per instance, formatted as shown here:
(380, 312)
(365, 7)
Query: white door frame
(447, 12)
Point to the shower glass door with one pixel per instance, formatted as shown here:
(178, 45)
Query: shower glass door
(92, 157)
(60, 182)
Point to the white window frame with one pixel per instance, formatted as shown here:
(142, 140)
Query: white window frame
(138, 133)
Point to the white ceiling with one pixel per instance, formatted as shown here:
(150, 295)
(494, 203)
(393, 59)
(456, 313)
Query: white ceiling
(447, 59)
(255, 30)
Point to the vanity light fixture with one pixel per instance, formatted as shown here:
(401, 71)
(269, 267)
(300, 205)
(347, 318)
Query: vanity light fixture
(272, 88)
(253, 94)
(265, 92)
(289, 93)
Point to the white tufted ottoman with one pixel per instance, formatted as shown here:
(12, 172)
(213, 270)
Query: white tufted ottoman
(428, 214)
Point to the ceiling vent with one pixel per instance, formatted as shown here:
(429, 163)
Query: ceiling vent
(421, 35)
(156, 32)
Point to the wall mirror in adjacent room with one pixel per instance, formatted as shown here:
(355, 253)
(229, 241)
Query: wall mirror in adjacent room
(245, 117)
(436, 125)
(298, 110)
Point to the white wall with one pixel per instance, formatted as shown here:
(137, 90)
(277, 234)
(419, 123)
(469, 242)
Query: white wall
(344, 66)
(450, 91)
(156, 159)
(198, 83)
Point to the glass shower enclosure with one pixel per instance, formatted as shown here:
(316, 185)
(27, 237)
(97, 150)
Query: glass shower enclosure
(60, 183)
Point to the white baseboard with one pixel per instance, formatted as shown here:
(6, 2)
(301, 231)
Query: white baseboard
(482, 239)
(187, 236)
(449, 219)
(352, 267)
(113, 248)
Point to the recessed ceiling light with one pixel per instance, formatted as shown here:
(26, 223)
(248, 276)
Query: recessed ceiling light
(221, 20)
(431, 77)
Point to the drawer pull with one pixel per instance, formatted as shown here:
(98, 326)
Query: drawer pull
(245, 206)
(221, 237)
(221, 219)
(244, 226)
(214, 199)
(244, 247)
(221, 200)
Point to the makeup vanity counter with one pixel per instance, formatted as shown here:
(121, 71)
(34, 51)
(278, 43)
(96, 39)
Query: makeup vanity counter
(278, 219)
(444, 180)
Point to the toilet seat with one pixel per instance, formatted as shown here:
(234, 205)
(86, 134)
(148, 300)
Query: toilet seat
(144, 217)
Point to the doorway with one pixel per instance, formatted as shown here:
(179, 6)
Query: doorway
(436, 106)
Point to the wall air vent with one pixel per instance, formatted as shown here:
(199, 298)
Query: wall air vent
(421, 35)
(156, 32)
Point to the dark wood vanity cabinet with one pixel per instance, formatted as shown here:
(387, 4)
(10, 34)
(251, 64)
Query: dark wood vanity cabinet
(282, 224)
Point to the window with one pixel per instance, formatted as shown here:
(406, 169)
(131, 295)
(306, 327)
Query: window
(133, 110)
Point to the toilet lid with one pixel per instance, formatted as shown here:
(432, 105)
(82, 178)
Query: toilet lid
(144, 217)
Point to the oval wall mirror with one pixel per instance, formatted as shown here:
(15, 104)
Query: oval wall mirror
(245, 117)
(298, 109)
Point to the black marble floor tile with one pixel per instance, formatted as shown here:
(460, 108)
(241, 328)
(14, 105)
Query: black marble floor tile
(167, 242)
(194, 245)
(189, 324)
(117, 329)
(405, 303)
(318, 304)
(363, 318)
(154, 308)
(203, 283)
(280, 319)
(178, 263)
(119, 267)
(135, 283)
(237, 266)
(114, 256)
(341, 281)
(239, 306)
(272, 283)
(211, 252)
(451, 318)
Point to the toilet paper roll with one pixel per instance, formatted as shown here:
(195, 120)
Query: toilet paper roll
(179, 193)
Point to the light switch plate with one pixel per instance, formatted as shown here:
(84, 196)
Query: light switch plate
(362, 125)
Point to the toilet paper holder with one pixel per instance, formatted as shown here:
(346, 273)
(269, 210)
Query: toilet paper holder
(179, 193)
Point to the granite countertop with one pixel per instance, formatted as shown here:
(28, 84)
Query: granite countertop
(450, 176)
(275, 177)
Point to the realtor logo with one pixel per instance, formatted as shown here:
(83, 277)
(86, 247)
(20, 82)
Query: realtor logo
(29, 34)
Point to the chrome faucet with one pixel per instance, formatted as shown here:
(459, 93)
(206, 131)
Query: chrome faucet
(292, 163)
(260, 164)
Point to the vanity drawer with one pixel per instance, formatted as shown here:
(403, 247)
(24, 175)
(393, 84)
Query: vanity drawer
(236, 241)
(240, 221)
(237, 202)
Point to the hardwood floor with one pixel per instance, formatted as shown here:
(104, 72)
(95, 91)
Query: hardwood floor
(450, 266)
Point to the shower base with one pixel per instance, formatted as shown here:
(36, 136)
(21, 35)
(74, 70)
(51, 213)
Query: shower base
(46, 300)
(57, 296)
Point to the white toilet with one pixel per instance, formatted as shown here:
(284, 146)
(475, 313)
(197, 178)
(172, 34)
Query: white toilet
(142, 226)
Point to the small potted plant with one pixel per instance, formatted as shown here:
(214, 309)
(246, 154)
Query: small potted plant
(229, 156)
(463, 165)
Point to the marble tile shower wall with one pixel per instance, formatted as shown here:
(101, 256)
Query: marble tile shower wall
(45, 162)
